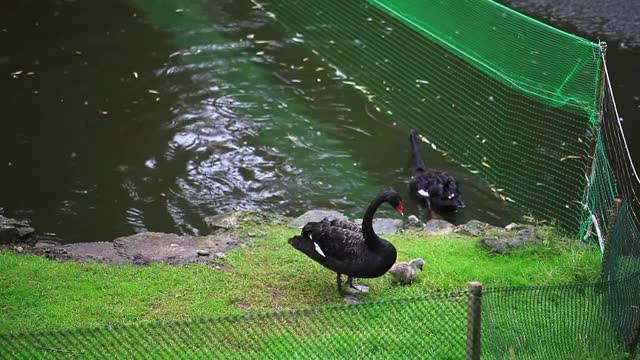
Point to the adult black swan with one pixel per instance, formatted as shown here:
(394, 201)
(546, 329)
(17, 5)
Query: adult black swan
(348, 248)
(433, 190)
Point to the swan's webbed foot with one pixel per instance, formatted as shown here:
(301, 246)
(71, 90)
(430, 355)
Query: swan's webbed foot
(350, 299)
(355, 288)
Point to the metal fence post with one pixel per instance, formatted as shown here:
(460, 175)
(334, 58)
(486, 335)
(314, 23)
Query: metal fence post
(473, 320)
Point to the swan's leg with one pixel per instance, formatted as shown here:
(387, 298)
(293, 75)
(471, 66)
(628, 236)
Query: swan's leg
(434, 215)
(423, 214)
(355, 288)
(345, 297)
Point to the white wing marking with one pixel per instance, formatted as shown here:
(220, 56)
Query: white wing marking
(318, 249)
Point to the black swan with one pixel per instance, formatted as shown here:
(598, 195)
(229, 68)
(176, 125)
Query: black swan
(406, 272)
(348, 248)
(433, 190)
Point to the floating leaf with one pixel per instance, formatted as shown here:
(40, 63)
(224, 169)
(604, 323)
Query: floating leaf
(293, 139)
(570, 157)
(485, 164)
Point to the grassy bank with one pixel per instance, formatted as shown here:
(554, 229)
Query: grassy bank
(265, 275)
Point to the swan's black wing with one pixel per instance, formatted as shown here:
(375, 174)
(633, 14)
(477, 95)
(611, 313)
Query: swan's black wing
(437, 190)
(337, 240)
(347, 225)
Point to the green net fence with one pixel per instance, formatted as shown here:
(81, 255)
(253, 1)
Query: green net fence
(524, 106)
(512, 100)
(432, 326)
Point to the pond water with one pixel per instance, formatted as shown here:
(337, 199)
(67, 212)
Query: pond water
(133, 116)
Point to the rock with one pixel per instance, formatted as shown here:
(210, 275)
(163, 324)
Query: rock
(45, 243)
(25, 232)
(141, 249)
(478, 228)
(315, 215)
(514, 226)
(157, 247)
(438, 227)
(222, 221)
(8, 235)
(414, 222)
(101, 251)
(384, 226)
(231, 220)
(509, 242)
(19, 249)
(219, 255)
(14, 231)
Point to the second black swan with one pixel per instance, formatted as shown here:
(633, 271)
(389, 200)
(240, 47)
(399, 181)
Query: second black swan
(348, 248)
(433, 190)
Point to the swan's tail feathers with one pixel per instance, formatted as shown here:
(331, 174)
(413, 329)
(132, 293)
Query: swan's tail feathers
(417, 165)
(309, 247)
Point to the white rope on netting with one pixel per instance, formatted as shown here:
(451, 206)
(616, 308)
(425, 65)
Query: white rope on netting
(585, 205)
(594, 221)
(630, 169)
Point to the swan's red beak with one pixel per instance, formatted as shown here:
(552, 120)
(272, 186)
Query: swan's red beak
(399, 209)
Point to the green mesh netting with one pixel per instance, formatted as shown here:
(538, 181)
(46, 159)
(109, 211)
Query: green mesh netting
(509, 98)
(537, 59)
(429, 326)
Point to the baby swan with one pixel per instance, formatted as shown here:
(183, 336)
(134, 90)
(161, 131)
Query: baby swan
(406, 272)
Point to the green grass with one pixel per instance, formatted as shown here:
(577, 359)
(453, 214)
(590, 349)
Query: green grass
(428, 317)
(268, 274)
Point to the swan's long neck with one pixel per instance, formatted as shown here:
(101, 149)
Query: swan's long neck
(417, 164)
(370, 237)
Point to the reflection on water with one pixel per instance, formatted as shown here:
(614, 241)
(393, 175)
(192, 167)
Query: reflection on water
(142, 116)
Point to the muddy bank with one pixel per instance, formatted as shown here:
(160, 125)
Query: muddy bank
(144, 248)
(227, 232)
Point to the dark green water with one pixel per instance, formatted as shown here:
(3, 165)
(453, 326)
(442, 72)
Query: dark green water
(148, 116)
